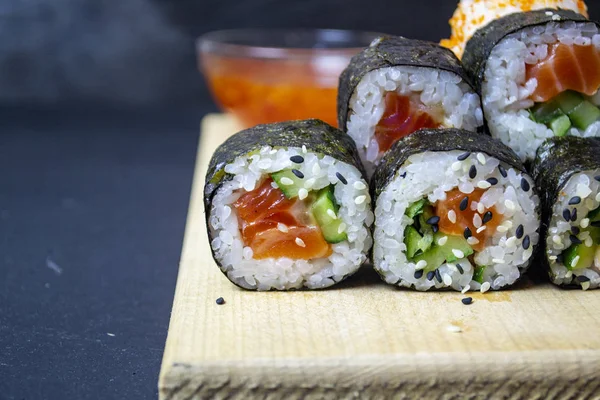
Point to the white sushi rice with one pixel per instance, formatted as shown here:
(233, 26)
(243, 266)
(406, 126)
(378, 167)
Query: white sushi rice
(506, 91)
(285, 273)
(440, 89)
(431, 175)
(558, 239)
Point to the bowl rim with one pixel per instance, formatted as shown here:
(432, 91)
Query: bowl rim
(217, 43)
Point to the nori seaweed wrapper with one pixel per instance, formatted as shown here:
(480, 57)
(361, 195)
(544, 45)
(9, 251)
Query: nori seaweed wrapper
(316, 135)
(391, 51)
(480, 46)
(556, 161)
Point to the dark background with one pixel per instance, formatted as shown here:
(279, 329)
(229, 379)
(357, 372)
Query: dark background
(100, 102)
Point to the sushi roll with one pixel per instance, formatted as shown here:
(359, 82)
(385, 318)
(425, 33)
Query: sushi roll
(287, 207)
(471, 15)
(453, 210)
(568, 171)
(397, 86)
(538, 74)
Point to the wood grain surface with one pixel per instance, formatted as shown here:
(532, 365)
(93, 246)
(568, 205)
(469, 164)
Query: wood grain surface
(365, 339)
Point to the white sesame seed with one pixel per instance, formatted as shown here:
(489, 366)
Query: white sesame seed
(274, 185)
(466, 289)
(308, 184)
(498, 261)
(588, 242)
(457, 253)
(485, 286)
(421, 265)
(555, 17)
(483, 184)
(480, 208)
(456, 165)
(569, 274)
(304, 149)
(481, 158)
(447, 280)
(452, 216)
(502, 228)
(453, 329)
(510, 204)
(553, 258)
(442, 241)
(584, 223)
(575, 261)
(472, 240)
(556, 239)
(511, 241)
(481, 229)
(282, 227)
(342, 227)
(300, 242)
(360, 199)
(585, 285)
(507, 224)
(358, 185)
(331, 213)
(477, 221)
(302, 193)
(286, 181)
(549, 13)
(316, 168)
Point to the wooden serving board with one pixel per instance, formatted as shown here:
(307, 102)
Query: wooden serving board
(365, 339)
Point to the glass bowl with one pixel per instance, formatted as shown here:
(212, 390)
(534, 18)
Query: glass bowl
(263, 76)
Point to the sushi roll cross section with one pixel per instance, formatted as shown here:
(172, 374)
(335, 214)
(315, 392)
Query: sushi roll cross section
(538, 74)
(287, 207)
(453, 210)
(397, 86)
(569, 171)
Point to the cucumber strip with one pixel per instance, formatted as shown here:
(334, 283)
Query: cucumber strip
(584, 115)
(560, 125)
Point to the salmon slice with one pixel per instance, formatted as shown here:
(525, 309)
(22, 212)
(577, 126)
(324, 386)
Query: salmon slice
(567, 67)
(260, 213)
(402, 116)
(464, 219)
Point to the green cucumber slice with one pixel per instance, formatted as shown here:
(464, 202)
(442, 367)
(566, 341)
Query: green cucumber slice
(560, 125)
(586, 256)
(289, 183)
(325, 209)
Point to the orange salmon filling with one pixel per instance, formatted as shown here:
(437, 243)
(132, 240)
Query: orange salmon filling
(260, 212)
(402, 116)
(567, 67)
(464, 218)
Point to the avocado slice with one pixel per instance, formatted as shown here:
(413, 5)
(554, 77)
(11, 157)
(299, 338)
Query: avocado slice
(326, 220)
(289, 190)
(586, 256)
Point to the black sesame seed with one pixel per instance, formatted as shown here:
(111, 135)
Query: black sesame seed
(575, 230)
(341, 178)
(460, 268)
(430, 275)
(595, 224)
(463, 156)
(574, 239)
(567, 214)
(467, 300)
(403, 175)
(487, 217)
(574, 215)
(525, 185)
(526, 242)
(433, 220)
(467, 233)
(299, 174)
(438, 276)
(597, 178)
(464, 203)
(502, 171)
(492, 181)
(435, 228)
(582, 278)
(472, 172)
(220, 301)
(520, 231)
(574, 200)
(297, 159)
(419, 274)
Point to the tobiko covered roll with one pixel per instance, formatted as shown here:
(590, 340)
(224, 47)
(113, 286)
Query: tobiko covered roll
(397, 86)
(287, 206)
(568, 169)
(538, 74)
(453, 210)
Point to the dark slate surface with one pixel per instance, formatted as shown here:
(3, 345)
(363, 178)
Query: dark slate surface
(104, 196)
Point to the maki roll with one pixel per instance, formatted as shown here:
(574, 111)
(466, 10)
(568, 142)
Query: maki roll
(453, 210)
(287, 206)
(538, 74)
(397, 86)
(568, 169)
(471, 15)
